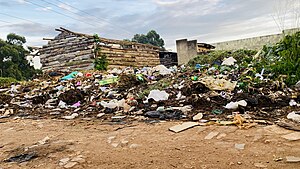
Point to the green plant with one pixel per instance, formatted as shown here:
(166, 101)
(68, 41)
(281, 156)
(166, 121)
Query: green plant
(219, 55)
(6, 81)
(283, 59)
(101, 62)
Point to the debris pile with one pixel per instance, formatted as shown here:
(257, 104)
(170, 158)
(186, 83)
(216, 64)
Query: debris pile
(204, 94)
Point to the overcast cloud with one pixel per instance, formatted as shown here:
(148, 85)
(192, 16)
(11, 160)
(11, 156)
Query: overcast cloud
(205, 20)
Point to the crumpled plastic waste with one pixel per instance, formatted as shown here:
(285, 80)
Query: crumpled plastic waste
(158, 95)
(163, 70)
(295, 116)
(229, 61)
(70, 76)
(113, 103)
(235, 105)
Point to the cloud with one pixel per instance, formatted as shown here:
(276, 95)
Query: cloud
(48, 8)
(5, 4)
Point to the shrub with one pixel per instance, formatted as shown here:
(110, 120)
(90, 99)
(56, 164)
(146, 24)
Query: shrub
(6, 81)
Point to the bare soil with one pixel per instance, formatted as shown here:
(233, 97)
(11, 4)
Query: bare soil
(92, 144)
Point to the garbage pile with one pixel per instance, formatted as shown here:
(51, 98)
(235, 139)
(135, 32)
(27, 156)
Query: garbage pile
(205, 94)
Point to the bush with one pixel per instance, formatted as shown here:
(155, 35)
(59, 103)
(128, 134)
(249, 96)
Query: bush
(283, 59)
(220, 55)
(7, 81)
(101, 62)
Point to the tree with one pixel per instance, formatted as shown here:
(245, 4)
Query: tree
(152, 38)
(13, 61)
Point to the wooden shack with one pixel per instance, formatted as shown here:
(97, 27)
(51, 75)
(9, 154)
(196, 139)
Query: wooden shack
(75, 51)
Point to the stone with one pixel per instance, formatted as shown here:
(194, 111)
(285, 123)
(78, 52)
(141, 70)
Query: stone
(115, 145)
(222, 135)
(260, 165)
(109, 140)
(275, 129)
(183, 126)
(124, 142)
(198, 117)
(64, 161)
(292, 159)
(78, 159)
(134, 146)
(70, 164)
(211, 135)
(100, 115)
(292, 136)
(239, 146)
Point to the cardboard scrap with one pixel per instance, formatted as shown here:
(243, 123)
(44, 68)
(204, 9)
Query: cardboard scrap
(183, 126)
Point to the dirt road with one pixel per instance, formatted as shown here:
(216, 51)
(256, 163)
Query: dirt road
(91, 144)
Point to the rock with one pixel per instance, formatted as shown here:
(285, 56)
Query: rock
(260, 165)
(197, 117)
(44, 141)
(124, 142)
(292, 137)
(134, 146)
(183, 126)
(100, 115)
(115, 145)
(221, 136)
(70, 164)
(292, 159)
(239, 146)
(64, 161)
(211, 135)
(109, 140)
(117, 118)
(78, 159)
(73, 116)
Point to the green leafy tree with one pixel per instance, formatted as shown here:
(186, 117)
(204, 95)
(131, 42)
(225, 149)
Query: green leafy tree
(152, 38)
(13, 61)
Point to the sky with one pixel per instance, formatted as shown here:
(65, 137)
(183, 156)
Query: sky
(207, 21)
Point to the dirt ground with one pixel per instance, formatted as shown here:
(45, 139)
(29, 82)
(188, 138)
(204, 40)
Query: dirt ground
(92, 144)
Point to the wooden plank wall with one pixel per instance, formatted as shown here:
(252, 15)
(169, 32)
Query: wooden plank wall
(70, 52)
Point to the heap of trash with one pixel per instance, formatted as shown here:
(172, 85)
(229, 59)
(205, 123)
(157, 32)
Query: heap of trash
(203, 95)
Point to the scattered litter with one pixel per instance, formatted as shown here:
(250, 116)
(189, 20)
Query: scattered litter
(292, 159)
(211, 135)
(229, 61)
(22, 157)
(295, 116)
(260, 165)
(183, 126)
(198, 117)
(239, 146)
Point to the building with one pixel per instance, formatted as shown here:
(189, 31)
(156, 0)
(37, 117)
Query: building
(186, 50)
(168, 58)
(75, 51)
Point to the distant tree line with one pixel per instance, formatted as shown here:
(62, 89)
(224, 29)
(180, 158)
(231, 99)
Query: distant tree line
(152, 38)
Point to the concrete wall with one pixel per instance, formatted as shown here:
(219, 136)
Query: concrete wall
(186, 50)
(254, 43)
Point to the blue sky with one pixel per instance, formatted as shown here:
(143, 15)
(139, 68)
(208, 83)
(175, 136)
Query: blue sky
(205, 20)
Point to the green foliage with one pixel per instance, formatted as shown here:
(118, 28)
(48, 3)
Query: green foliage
(13, 61)
(219, 55)
(152, 38)
(100, 62)
(6, 81)
(283, 59)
